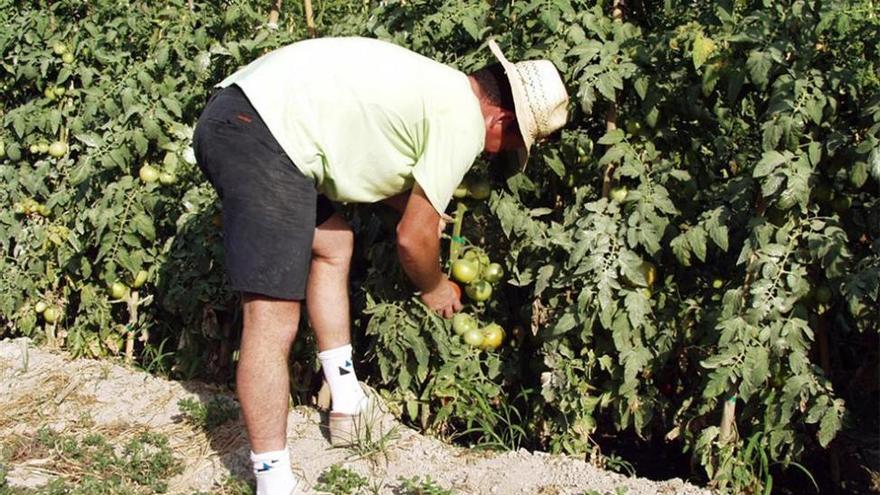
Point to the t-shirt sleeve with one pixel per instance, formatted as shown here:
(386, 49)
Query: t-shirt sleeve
(448, 152)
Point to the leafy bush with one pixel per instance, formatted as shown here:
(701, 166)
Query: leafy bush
(697, 257)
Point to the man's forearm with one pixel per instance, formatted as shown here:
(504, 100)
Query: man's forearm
(419, 257)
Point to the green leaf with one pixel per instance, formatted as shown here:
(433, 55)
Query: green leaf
(470, 25)
(697, 240)
(613, 154)
(144, 225)
(90, 139)
(703, 48)
(759, 64)
(681, 249)
(563, 325)
(173, 106)
(829, 426)
(641, 87)
(638, 307)
(858, 175)
(874, 163)
(612, 137)
(769, 161)
(554, 163)
(607, 83)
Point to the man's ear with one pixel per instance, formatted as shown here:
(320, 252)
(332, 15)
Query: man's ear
(502, 117)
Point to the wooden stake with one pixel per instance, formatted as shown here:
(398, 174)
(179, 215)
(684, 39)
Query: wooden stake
(274, 14)
(310, 19)
(132, 302)
(611, 116)
(728, 420)
(455, 244)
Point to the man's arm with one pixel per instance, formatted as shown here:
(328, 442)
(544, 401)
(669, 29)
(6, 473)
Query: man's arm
(418, 246)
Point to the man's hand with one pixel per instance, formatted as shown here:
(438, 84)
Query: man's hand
(444, 219)
(444, 299)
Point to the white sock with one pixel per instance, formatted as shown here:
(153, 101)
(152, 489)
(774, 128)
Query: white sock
(346, 392)
(273, 473)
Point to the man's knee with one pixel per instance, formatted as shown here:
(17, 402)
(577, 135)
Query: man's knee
(269, 319)
(334, 242)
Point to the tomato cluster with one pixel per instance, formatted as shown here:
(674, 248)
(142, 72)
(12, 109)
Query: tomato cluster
(149, 174)
(479, 274)
(489, 337)
(50, 313)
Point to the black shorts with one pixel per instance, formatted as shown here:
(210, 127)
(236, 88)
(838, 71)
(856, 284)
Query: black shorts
(270, 209)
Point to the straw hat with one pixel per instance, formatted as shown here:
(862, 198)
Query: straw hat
(539, 98)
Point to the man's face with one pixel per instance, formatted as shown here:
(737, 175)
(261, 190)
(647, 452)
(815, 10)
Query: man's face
(503, 134)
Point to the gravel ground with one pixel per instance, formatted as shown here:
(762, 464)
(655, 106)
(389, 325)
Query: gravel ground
(40, 387)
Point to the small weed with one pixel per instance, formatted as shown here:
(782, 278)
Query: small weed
(417, 486)
(620, 490)
(341, 481)
(498, 426)
(232, 485)
(91, 465)
(155, 360)
(372, 434)
(210, 415)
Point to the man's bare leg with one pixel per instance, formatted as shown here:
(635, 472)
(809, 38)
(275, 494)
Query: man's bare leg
(263, 390)
(327, 300)
(262, 378)
(327, 292)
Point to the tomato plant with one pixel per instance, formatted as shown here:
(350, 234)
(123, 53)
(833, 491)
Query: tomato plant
(695, 257)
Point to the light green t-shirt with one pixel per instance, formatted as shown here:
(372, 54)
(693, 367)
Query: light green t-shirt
(364, 118)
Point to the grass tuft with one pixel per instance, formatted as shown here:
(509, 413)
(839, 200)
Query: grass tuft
(208, 415)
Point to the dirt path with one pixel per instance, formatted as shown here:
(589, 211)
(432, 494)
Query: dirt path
(39, 388)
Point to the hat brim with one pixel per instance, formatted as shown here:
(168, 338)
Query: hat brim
(524, 117)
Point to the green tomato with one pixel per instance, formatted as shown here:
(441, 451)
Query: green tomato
(633, 127)
(464, 271)
(118, 290)
(822, 193)
(58, 149)
(841, 204)
(40, 307)
(618, 194)
(823, 294)
(51, 314)
(473, 337)
(649, 270)
(460, 192)
(43, 148)
(493, 337)
(493, 273)
(49, 93)
(476, 256)
(167, 178)
(462, 323)
(140, 279)
(68, 58)
(148, 173)
(479, 291)
(59, 91)
(480, 189)
(34, 149)
(718, 283)
(59, 48)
